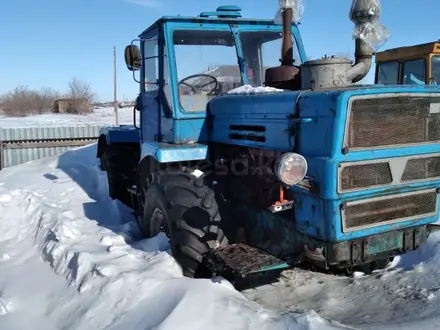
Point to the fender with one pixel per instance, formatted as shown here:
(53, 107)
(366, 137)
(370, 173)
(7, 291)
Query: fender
(167, 153)
(121, 134)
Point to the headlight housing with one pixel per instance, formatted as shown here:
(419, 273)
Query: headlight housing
(291, 168)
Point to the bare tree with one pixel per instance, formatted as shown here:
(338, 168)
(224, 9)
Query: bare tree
(47, 97)
(22, 101)
(81, 96)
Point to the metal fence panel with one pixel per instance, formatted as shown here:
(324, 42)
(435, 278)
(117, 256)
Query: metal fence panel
(45, 133)
(21, 145)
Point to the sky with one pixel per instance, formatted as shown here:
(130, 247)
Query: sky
(45, 43)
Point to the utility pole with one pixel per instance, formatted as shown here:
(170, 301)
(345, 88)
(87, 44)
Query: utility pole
(115, 89)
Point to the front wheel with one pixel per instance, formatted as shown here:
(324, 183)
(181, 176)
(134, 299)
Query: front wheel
(185, 209)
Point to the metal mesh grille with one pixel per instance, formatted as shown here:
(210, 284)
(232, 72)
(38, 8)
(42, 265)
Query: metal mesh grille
(390, 210)
(365, 175)
(398, 120)
(422, 168)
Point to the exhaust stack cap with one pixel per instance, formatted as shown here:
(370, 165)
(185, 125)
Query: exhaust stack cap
(365, 15)
(365, 11)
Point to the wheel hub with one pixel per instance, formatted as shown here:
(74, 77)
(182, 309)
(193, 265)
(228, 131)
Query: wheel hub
(158, 216)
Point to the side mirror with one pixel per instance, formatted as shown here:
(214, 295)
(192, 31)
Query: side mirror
(133, 58)
(137, 104)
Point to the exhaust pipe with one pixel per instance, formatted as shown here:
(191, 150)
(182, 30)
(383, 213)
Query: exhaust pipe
(286, 76)
(369, 35)
(363, 60)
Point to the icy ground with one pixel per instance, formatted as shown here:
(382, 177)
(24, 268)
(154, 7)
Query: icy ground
(70, 259)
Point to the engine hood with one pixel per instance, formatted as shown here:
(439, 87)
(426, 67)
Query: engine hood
(262, 105)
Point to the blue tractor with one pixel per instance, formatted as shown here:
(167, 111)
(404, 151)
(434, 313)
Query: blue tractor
(311, 168)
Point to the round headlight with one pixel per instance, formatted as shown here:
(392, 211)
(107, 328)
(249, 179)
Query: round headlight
(291, 168)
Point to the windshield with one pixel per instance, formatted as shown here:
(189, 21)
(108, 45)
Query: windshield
(206, 63)
(435, 70)
(414, 72)
(388, 73)
(262, 50)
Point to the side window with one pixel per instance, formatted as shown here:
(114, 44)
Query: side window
(414, 72)
(151, 64)
(388, 73)
(435, 70)
(206, 63)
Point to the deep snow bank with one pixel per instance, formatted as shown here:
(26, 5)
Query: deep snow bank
(70, 259)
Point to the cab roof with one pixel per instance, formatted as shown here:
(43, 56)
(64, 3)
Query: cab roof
(223, 14)
(408, 52)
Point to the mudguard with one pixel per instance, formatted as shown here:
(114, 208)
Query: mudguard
(121, 134)
(166, 153)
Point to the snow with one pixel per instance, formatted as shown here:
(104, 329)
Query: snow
(248, 89)
(71, 258)
(100, 116)
(406, 295)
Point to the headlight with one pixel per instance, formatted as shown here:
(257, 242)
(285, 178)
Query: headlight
(291, 168)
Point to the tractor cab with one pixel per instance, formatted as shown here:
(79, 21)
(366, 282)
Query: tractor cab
(188, 61)
(413, 65)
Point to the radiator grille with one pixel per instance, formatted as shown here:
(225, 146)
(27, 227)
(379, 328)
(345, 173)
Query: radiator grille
(389, 210)
(422, 168)
(392, 121)
(365, 175)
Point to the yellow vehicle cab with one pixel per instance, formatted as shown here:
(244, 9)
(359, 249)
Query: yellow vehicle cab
(417, 64)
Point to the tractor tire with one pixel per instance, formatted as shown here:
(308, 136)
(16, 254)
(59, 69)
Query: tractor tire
(119, 164)
(185, 209)
(115, 185)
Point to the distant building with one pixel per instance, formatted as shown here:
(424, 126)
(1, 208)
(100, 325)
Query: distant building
(80, 105)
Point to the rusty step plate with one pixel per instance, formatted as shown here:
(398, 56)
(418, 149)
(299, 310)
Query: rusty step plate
(244, 259)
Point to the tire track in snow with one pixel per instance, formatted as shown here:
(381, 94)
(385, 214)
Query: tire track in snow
(406, 295)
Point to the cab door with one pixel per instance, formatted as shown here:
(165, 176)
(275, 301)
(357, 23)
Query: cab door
(149, 89)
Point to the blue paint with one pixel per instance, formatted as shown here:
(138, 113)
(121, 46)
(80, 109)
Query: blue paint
(273, 267)
(318, 213)
(253, 110)
(385, 245)
(167, 153)
(321, 218)
(228, 8)
(224, 14)
(190, 131)
(121, 134)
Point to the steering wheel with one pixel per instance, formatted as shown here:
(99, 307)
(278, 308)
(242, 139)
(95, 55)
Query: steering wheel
(200, 87)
